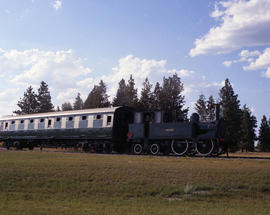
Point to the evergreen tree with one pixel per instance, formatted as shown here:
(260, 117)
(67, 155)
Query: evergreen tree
(211, 111)
(78, 104)
(28, 104)
(44, 99)
(98, 97)
(264, 136)
(121, 95)
(248, 125)
(200, 107)
(171, 97)
(132, 96)
(58, 109)
(156, 96)
(147, 97)
(230, 106)
(66, 106)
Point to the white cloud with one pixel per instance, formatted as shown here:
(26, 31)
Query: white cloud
(68, 95)
(5, 94)
(155, 70)
(66, 75)
(61, 69)
(252, 109)
(246, 53)
(241, 23)
(245, 56)
(86, 83)
(267, 73)
(256, 61)
(181, 73)
(216, 84)
(261, 63)
(138, 68)
(227, 63)
(57, 5)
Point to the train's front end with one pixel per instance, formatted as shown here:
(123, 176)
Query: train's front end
(209, 136)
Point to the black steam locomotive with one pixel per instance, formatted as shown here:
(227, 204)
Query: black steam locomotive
(119, 129)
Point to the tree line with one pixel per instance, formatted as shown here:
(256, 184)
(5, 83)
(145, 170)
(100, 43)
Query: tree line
(240, 124)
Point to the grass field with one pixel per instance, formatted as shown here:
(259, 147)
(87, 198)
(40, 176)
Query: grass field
(79, 183)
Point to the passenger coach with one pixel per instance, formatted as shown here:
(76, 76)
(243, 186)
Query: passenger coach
(91, 129)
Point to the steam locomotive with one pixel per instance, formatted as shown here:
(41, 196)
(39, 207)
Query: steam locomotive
(118, 129)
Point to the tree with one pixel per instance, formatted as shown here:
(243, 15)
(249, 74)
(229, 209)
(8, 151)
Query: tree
(98, 97)
(147, 97)
(211, 111)
(66, 106)
(200, 107)
(78, 104)
(126, 94)
(231, 113)
(156, 96)
(132, 97)
(171, 98)
(28, 104)
(248, 125)
(264, 136)
(121, 94)
(44, 99)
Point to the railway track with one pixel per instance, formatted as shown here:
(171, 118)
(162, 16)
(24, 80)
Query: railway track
(231, 156)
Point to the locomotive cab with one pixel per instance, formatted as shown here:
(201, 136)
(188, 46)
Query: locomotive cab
(123, 116)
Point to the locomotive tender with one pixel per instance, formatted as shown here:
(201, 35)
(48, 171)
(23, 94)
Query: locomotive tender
(121, 129)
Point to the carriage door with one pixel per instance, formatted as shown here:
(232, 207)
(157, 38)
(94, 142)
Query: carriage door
(50, 123)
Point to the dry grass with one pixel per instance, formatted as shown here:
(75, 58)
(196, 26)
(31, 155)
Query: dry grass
(79, 183)
(249, 154)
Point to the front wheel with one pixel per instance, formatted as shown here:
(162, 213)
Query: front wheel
(137, 149)
(154, 149)
(205, 148)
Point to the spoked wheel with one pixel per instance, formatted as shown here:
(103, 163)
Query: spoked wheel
(179, 147)
(137, 149)
(154, 149)
(205, 148)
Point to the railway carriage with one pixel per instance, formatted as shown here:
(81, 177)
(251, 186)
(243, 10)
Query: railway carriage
(91, 129)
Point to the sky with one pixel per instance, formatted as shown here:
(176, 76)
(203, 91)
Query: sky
(73, 44)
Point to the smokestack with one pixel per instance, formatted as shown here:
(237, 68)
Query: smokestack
(217, 106)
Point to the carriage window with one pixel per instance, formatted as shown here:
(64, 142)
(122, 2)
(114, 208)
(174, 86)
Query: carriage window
(167, 117)
(98, 116)
(109, 120)
(70, 118)
(83, 117)
(41, 120)
(49, 123)
(31, 121)
(22, 121)
(58, 119)
(13, 122)
(6, 125)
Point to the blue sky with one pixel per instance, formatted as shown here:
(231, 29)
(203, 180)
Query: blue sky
(73, 44)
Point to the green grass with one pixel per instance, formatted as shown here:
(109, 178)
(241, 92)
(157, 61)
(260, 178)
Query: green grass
(78, 183)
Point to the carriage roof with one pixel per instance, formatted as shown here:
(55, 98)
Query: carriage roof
(61, 113)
